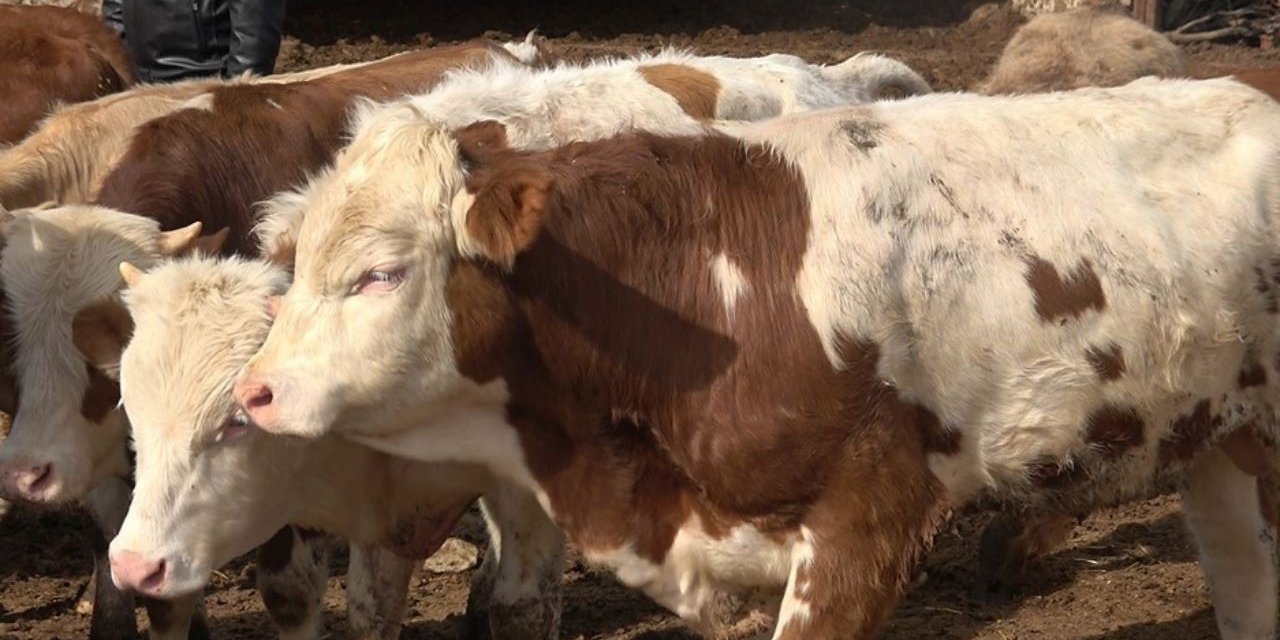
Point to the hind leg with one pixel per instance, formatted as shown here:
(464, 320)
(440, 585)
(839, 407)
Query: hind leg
(377, 586)
(293, 570)
(1237, 546)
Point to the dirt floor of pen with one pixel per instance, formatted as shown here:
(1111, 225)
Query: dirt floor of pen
(1127, 574)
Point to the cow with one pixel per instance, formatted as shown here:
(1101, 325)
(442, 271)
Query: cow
(768, 356)
(206, 162)
(197, 321)
(54, 55)
(1085, 47)
(67, 157)
(672, 91)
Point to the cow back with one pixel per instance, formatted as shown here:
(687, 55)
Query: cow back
(236, 145)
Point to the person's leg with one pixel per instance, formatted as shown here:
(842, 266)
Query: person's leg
(113, 15)
(256, 29)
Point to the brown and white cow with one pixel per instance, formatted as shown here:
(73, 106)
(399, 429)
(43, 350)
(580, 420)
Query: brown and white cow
(206, 163)
(67, 157)
(54, 55)
(769, 357)
(671, 92)
(197, 322)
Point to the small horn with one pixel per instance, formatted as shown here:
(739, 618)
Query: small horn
(175, 242)
(130, 273)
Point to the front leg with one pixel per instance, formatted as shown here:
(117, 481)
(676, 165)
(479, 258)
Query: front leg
(377, 588)
(178, 619)
(293, 570)
(112, 612)
(518, 586)
(858, 545)
(1237, 546)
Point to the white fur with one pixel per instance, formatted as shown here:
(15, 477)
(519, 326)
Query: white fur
(733, 285)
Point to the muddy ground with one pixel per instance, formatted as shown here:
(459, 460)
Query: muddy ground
(1127, 574)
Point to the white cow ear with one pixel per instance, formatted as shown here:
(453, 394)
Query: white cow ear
(179, 241)
(211, 245)
(100, 333)
(130, 273)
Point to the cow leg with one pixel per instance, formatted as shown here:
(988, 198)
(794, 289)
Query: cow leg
(178, 619)
(112, 612)
(377, 589)
(293, 572)
(858, 545)
(1011, 543)
(518, 586)
(1237, 546)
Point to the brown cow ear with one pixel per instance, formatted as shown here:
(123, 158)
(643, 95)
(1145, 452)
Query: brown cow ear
(211, 245)
(507, 214)
(100, 332)
(479, 142)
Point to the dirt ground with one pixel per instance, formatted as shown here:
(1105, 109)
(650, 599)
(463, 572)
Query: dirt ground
(1128, 573)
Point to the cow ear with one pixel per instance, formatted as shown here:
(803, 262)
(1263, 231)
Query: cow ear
(100, 333)
(180, 241)
(480, 142)
(506, 215)
(211, 245)
(130, 274)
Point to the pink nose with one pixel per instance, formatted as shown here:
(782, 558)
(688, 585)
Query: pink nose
(132, 572)
(257, 400)
(25, 481)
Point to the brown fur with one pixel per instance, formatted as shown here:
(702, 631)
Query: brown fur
(639, 403)
(101, 331)
(1059, 298)
(695, 91)
(1108, 363)
(53, 55)
(1114, 430)
(213, 165)
(1081, 48)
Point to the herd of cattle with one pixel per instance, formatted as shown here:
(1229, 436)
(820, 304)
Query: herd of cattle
(744, 331)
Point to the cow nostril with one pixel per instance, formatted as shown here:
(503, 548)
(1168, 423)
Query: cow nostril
(40, 477)
(260, 397)
(155, 578)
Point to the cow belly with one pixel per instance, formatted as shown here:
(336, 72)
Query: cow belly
(712, 583)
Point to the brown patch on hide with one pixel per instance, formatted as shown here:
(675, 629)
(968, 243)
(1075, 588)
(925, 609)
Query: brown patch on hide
(1059, 298)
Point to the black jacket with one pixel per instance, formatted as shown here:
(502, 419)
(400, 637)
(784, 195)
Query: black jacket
(179, 39)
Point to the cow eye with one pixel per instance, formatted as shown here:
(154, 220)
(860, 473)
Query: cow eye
(379, 280)
(236, 425)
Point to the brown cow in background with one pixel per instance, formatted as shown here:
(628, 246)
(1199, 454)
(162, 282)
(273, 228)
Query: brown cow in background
(51, 56)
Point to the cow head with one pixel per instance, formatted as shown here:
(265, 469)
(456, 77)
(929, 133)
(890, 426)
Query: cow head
(209, 485)
(62, 284)
(364, 334)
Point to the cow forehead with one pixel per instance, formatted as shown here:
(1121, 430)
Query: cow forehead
(198, 322)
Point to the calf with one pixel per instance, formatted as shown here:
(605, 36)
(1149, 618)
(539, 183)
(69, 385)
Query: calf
(768, 358)
(1084, 47)
(197, 322)
(54, 55)
(205, 163)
